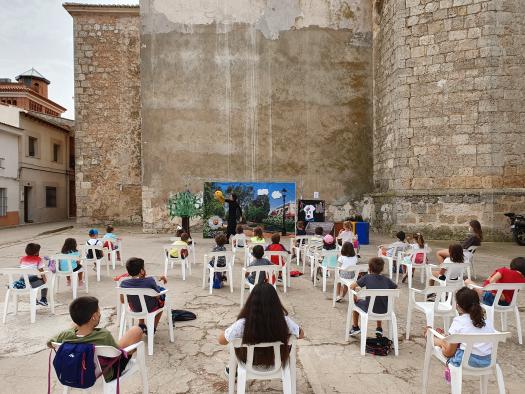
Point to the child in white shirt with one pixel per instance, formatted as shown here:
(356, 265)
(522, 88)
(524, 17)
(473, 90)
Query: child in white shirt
(470, 321)
(346, 234)
(347, 259)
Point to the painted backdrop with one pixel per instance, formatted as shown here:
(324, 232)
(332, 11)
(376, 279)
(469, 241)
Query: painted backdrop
(261, 203)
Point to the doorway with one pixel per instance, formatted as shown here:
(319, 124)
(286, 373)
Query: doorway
(72, 199)
(27, 192)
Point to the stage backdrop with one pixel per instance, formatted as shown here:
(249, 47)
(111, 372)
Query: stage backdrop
(261, 203)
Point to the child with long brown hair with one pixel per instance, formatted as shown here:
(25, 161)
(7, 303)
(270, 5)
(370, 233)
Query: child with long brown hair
(471, 320)
(262, 319)
(474, 239)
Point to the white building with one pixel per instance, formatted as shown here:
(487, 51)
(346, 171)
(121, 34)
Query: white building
(10, 138)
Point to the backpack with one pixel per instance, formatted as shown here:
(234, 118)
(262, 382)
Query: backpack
(379, 346)
(75, 365)
(182, 315)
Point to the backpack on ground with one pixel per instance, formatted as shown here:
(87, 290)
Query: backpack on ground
(75, 365)
(217, 280)
(182, 315)
(379, 346)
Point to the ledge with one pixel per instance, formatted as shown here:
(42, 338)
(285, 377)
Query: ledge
(75, 9)
(448, 192)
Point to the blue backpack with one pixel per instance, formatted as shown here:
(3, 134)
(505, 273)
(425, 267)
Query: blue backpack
(75, 365)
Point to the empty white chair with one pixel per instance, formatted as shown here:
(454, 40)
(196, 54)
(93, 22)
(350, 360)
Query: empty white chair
(68, 260)
(92, 250)
(456, 373)
(268, 270)
(370, 315)
(14, 274)
(444, 305)
(127, 314)
(469, 256)
(314, 245)
(136, 364)
(326, 261)
(114, 248)
(410, 263)
(211, 260)
(284, 265)
(169, 260)
(356, 270)
(297, 246)
(503, 310)
(247, 371)
(389, 262)
(238, 244)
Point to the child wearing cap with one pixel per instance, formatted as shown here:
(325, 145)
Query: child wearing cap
(94, 241)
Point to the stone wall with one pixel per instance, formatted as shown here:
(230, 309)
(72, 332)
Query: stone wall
(107, 113)
(262, 90)
(449, 131)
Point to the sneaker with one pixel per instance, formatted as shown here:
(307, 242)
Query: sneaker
(379, 332)
(338, 299)
(42, 301)
(431, 297)
(354, 331)
(227, 372)
(144, 329)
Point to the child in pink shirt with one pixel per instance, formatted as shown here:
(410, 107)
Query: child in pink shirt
(32, 260)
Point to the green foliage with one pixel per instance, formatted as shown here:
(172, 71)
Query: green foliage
(274, 223)
(184, 204)
(258, 209)
(211, 206)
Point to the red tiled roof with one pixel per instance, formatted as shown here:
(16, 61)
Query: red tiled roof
(17, 87)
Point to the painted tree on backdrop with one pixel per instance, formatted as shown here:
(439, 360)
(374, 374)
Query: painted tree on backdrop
(185, 205)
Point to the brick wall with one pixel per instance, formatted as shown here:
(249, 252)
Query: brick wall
(448, 135)
(107, 112)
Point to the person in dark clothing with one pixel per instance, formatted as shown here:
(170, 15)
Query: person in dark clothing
(234, 214)
(474, 239)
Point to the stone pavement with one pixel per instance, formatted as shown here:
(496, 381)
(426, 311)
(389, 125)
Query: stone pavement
(195, 362)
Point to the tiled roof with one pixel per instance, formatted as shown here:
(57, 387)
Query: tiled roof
(33, 74)
(101, 5)
(63, 123)
(17, 87)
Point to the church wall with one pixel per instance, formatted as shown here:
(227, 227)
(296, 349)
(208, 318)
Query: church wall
(107, 114)
(449, 141)
(259, 90)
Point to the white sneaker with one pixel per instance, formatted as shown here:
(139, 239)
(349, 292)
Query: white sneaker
(338, 299)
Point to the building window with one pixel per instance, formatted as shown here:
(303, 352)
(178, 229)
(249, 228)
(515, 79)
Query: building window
(14, 102)
(56, 153)
(51, 197)
(32, 146)
(2, 162)
(3, 201)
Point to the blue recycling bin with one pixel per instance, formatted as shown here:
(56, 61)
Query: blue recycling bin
(362, 229)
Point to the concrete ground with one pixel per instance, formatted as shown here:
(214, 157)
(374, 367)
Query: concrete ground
(195, 362)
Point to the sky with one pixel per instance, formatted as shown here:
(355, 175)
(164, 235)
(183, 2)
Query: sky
(39, 34)
(267, 188)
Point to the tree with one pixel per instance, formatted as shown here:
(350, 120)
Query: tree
(185, 205)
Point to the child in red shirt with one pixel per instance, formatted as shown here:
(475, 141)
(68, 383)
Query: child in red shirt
(276, 246)
(514, 274)
(32, 260)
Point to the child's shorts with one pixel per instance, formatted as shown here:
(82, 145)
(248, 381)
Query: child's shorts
(474, 361)
(488, 299)
(346, 274)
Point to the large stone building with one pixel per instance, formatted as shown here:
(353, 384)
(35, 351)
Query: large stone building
(410, 111)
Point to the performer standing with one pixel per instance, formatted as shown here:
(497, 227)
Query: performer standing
(234, 214)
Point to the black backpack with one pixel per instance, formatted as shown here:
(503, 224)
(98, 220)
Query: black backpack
(379, 346)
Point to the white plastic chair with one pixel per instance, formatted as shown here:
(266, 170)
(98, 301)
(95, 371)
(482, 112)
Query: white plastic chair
(269, 270)
(455, 272)
(114, 247)
(210, 264)
(248, 371)
(318, 263)
(444, 305)
(456, 373)
(356, 269)
(127, 315)
(68, 260)
(389, 316)
(94, 260)
(501, 309)
(389, 262)
(284, 266)
(169, 261)
(297, 246)
(14, 274)
(410, 264)
(137, 363)
(469, 256)
(314, 246)
(235, 242)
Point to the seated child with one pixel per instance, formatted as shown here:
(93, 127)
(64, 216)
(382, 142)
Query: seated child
(471, 320)
(419, 249)
(514, 274)
(110, 239)
(276, 246)
(347, 259)
(346, 234)
(257, 253)
(258, 236)
(85, 313)
(220, 241)
(139, 280)
(32, 260)
(182, 245)
(331, 260)
(239, 241)
(372, 280)
(399, 245)
(70, 248)
(456, 256)
(300, 228)
(94, 241)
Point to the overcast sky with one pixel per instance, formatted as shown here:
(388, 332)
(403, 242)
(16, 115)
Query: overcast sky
(39, 34)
